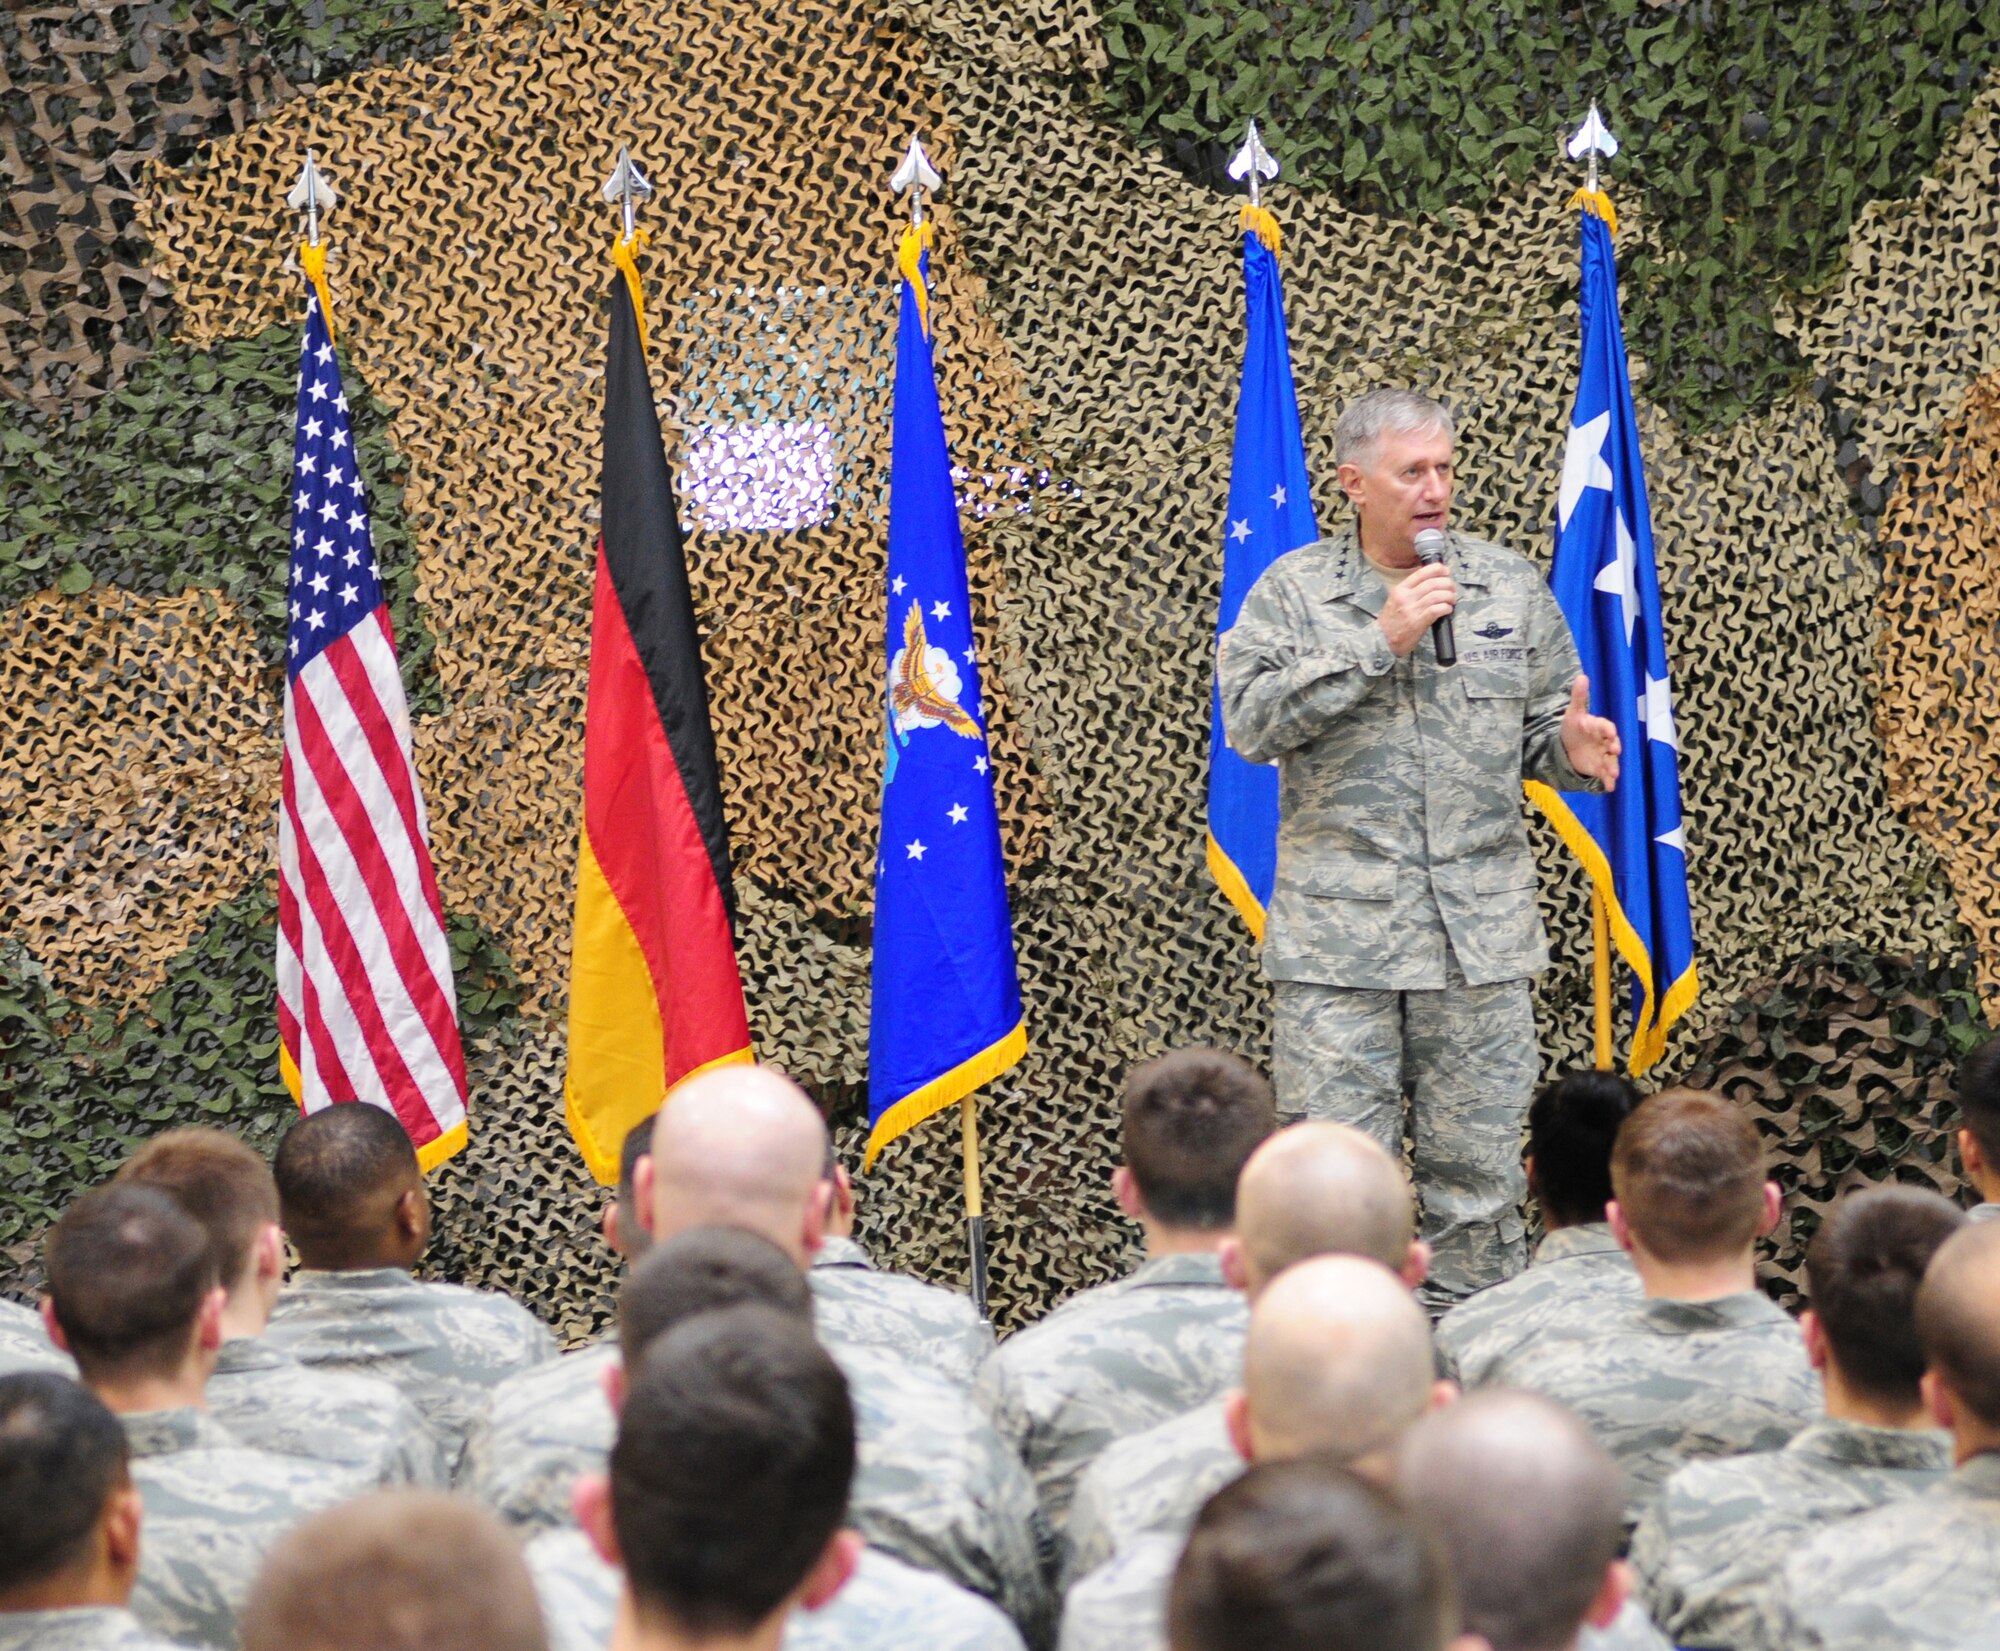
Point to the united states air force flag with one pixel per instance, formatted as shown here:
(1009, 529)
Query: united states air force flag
(945, 1014)
(1270, 512)
(1631, 842)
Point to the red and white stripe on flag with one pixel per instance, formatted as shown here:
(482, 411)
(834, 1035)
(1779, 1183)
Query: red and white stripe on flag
(366, 1009)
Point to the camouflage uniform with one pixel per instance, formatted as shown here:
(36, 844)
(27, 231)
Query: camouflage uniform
(25, 1344)
(1403, 925)
(1917, 1575)
(1670, 1382)
(212, 1509)
(1709, 1549)
(1156, 1480)
(79, 1628)
(1982, 1212)
(269, 1401)
(886, 1606)
(933, 1482)
(1112, 1361)
(857, 1305)
(1578, 1277)
(445, 1346)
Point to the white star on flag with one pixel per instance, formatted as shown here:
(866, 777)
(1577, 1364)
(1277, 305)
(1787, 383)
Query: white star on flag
(979, 764)
(896, 584)
(957, 813)
(940, 611)
(318, 583)
(1620, 576)
(1583, 464)
(348, 593)
(1656, 711)
(1278, 497)
(318, 391)
(1677, 838)
(1239, 531)
(915, 850)
(313, 428)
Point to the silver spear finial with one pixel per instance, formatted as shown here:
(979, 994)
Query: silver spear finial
(1255, 163)
(1592, 138)
(310, 195)
(914, 176)
(627, 186)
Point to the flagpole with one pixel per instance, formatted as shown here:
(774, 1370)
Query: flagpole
(1600, 977)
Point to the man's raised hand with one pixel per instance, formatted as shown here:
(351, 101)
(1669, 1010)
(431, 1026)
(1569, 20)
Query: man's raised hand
(1415, 605)
(1591, 743)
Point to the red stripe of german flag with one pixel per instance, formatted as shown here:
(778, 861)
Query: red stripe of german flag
(654, 990)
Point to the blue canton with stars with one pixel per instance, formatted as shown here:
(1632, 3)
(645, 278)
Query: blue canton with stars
(335, 583)
(1608, 587)
(1270, 512)
(946, 1000)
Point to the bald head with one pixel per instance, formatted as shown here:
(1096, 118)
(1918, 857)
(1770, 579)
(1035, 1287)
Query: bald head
(1530, 1508)
(1958, 1326)
(1337, 1363)
(741, 1146)
(1322, 1189)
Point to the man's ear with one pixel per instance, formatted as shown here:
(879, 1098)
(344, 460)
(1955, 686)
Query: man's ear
(124, 1513)
(1621, 1229)
(1815, 1335)
(1235, 1267)
(412, 1216)
(1126, 1190)
(1444, 1391)
(1971, 1155)
(269, 1255)
(1349, 477)
(819, 1208)
(612, 1379)
(1528, 1169)
(1938, 1400)
(1416, 1264)
(607, 1223)
(831, 1571)
(1236, 1419)
(1774, 1210)
(843, 1192)
(52, 1326)
(1612, 1594)
(590, 1501)
(643, 1184)
(208, 1322)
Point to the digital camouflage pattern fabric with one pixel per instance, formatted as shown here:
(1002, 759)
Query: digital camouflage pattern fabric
(1707, 1552)
(886, 1606)
(1916, 1574)
(539, 1430)
(83, 1628)
(1672, 1382)
(1113, 1361)
(25, 1344)
(1577, 1277)
(213, 1508)
(1156, 1480)
(855, 1304)
(365, 1426)
(445, 1346)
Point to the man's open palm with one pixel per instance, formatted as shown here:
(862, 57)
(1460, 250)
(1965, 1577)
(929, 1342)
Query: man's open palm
(1591, 743)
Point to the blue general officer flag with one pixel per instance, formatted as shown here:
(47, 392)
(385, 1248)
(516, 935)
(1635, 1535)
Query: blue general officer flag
(945, 1014)
(1270, 512)
(1631, 842)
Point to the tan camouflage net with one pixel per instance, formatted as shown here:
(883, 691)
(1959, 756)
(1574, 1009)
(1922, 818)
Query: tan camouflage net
(1089, 303)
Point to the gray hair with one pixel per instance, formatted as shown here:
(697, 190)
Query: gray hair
(1385, 412)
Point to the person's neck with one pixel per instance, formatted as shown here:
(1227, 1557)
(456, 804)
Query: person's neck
(633, 1632)
(247, 1312)
(1375, 546)
(1845, 1404)
(1971, 1437)
(1162, 1240)
(136, 1395)
(1695, 1280)
(1987, 1186)
(73, 1590)
(1553, 1223)
(367, 1262)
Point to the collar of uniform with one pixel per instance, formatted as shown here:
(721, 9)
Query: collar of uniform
(1691, 1318)
(842, 1252)
(1587, 1238)
(1983, 1212)
(82, 1625)
(308, 1282)
(1857, 1445)
(1466, 557)
(1194, 1267)
(1978, 1476)
(167, 1432)
(241, 1353)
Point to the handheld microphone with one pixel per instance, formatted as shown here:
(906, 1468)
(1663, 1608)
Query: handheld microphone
(1430, 552)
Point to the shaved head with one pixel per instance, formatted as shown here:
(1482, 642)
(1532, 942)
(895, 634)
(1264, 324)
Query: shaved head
(1958, 1319)
(742, 1146)
(1530, 1507)
(1321, 1189)
(1337, 1363)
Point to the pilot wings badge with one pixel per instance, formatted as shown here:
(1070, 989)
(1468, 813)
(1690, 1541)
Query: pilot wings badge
(924, 687)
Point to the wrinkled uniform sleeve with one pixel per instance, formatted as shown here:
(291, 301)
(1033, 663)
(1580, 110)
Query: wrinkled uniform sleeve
(1286, 679)
(1651, 1566)
(1553, 666)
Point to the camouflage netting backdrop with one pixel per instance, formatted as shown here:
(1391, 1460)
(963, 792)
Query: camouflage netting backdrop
(1811, 244)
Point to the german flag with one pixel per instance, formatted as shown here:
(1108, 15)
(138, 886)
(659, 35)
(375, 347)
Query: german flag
(654, 992)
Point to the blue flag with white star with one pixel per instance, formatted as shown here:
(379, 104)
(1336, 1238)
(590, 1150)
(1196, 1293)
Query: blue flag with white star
(1632, 842)
(945, 1010)
(1270, 512)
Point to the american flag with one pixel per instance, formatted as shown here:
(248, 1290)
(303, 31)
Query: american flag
(366, 1010)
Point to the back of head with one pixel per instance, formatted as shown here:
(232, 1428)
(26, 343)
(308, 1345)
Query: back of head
(62, 1454)
(704, 1270)
(1302, 1554)
(1338, 1361)
(1958, 1319)
(1571, 1128)
(400, 1570)
(128, 1270)
(1322, 1189)
(340, 1173)
(1979, 1098)
(222, 1183)
(741, 1146)
(1688, 1173)
(1863, 1269)
(1530, 1508)
(1192, 1119)
(731, 1472)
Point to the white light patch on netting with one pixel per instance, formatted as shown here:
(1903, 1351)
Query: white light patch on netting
(759, 478)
